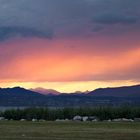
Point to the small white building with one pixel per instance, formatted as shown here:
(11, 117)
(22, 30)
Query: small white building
(2, 118)
(85, 118)
(127, 120)
(34, 120)
(23, 120)
(62, 120)
(117, 120)
(77, 118)
(93, 118)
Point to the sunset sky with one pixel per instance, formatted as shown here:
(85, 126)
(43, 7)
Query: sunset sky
(69, 45)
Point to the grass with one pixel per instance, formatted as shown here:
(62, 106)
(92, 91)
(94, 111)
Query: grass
(13, 130)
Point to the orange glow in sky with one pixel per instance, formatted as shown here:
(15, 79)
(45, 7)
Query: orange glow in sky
(69, 45)
(66, 65)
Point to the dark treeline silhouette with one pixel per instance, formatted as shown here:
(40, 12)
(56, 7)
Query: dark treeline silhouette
(102, 113)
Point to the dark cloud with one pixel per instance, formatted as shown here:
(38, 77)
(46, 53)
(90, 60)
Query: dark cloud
(115, 19)
(10, 32)
(97, 29)
(44, 15)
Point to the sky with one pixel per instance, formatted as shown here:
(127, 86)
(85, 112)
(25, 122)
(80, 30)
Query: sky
(69, 45)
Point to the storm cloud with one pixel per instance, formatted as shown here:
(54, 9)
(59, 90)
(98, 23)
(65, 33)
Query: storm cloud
(115, 19)
(9, 32)
(43, 16)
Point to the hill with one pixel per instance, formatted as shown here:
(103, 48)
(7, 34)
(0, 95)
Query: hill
(126, 91)
(45, 91)
(20, 97)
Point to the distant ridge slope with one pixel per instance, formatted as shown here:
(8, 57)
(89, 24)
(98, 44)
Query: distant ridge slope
(45, 91)
(18, 96)
(126, 91)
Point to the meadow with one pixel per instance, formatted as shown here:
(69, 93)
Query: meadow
(16, 130)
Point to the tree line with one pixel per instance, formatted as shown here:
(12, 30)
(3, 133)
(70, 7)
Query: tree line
(102, 113)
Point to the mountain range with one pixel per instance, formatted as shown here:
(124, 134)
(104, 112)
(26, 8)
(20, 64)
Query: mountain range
(18, 97)
(54, 92)
(126, 91)
(45, 91)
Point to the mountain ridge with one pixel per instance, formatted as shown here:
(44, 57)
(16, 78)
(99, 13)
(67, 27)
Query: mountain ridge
(45, 91)
(117, 91)
(100, 97)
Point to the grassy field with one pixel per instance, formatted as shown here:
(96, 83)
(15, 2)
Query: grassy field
(69, 131)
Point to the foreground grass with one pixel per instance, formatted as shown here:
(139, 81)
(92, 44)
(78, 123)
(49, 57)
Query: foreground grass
(69, 131)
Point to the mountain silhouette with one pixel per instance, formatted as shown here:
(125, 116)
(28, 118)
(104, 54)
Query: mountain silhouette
(45, 91)
(19, 97)
(126, 91)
